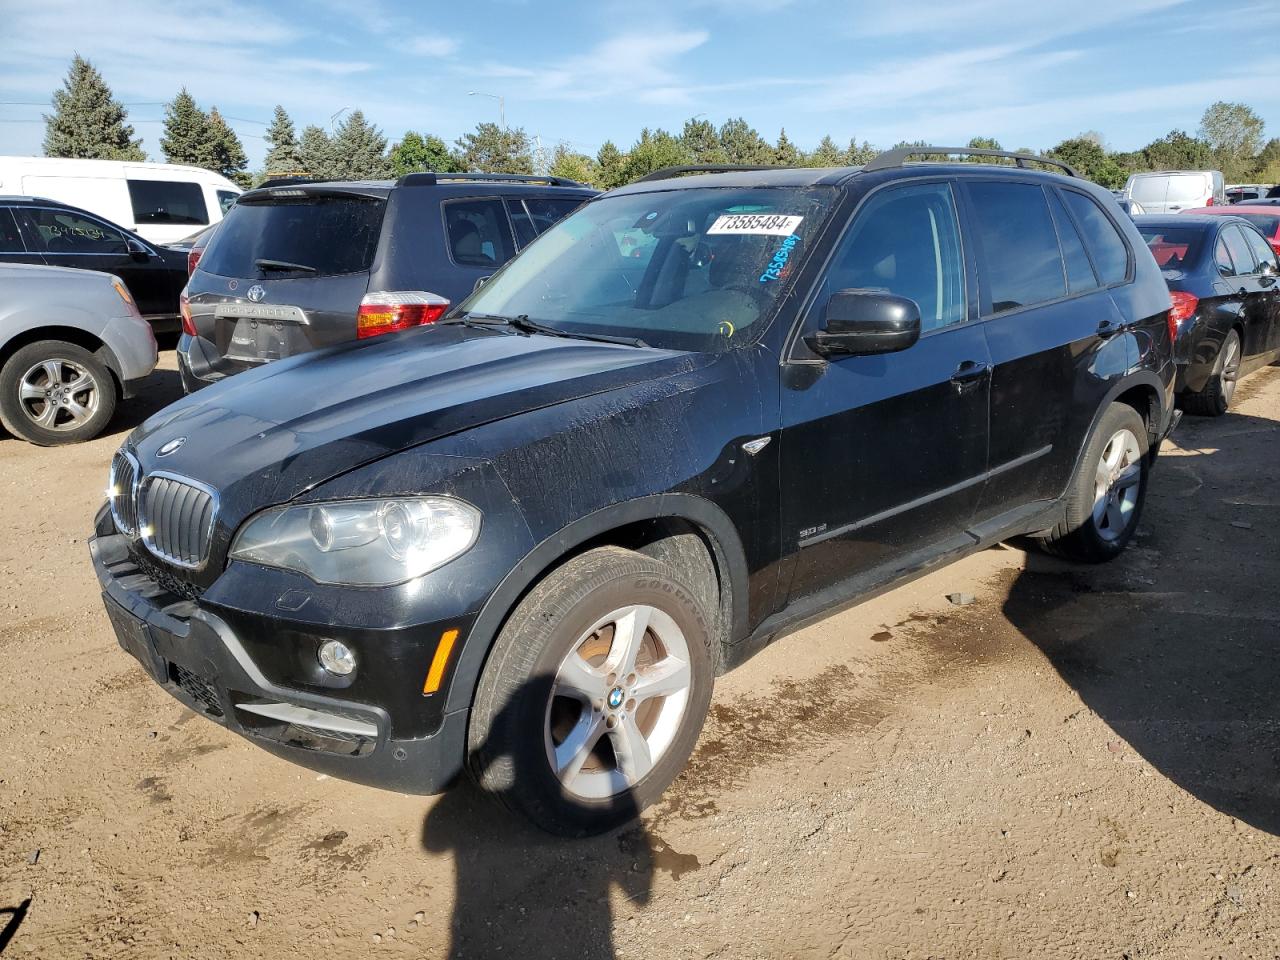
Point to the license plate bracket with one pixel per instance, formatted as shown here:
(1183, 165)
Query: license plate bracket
(134, 636)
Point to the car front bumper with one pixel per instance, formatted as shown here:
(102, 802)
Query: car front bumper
(200, 660)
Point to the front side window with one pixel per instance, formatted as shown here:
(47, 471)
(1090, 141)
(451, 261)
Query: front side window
(479, 233)
(1262, 251)
(1023, 263)
(533, 215)
(54, 231)
(1110, 253)
(905, 241)
(167, 201)
(1241, 255)
(698, 268)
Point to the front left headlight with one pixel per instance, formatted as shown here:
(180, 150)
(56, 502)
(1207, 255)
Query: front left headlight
(361, 542)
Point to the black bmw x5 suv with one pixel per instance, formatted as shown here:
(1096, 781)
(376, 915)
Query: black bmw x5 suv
(693, 415)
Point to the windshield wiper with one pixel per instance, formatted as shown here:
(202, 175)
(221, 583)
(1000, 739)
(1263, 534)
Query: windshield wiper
(522, 323)
(284, 266)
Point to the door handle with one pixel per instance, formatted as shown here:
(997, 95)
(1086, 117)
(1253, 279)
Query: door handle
(969, 373)
(1108, 329)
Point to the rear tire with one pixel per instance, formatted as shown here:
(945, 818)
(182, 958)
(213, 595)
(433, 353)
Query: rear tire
(53, 392)
(1104, 502)
(594, 694)
(1215, 398)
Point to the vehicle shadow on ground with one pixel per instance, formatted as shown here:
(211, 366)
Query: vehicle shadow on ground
(15, 917)
(1176, 645)
(520, 892)
(155, 393)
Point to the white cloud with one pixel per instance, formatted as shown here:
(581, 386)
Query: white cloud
(432, 46)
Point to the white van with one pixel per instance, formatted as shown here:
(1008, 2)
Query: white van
(1168, 191)
(163, 202)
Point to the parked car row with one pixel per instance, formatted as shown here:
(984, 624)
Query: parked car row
(697, 412)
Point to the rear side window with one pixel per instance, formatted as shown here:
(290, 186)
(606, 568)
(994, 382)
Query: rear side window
(10, 238)
(1023, 263)
(167, 201)
(1079, 271)
(225, 199)
(319, 235)
(53, 231)
(1101, 237)
(532, 215)
(479, 233)
(906, 241)
(1241, 255)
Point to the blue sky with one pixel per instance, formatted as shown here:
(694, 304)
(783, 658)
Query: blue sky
(583, 72)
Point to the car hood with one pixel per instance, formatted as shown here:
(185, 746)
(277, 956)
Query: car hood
(268, 435)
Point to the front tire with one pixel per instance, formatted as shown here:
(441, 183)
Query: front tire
(1106, 496)
(1215, 398)
(53, 392)
(594, 694)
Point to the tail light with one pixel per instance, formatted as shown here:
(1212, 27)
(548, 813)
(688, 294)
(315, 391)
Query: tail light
(193, 257)
(1209, 202)
(1275, 244)
(398, 310)
(184, 305)
(1184, 308)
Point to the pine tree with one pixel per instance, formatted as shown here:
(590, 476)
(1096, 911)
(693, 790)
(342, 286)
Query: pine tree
(492, 149)
(359, 150)
(785, 153)
(282, 147)
(742, 144)
(859, 153)
(187, 137)
(827, 154)
(654, 150)
(228, 152)
(87, 121)
(612, 163)
(315, 153)
(701, 141)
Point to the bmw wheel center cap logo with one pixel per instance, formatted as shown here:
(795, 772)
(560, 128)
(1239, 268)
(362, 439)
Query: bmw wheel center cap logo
(256, 293)
(615, 698)
(171, 447)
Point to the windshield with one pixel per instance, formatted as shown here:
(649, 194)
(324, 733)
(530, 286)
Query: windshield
(692, 269)
(1173, 247)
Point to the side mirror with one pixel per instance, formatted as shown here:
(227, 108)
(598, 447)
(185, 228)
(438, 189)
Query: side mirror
(1267, 268)
(137, 249)
(860, 322)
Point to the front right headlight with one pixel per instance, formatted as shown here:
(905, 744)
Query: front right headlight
(361, 542)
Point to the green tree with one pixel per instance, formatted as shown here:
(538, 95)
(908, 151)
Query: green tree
(87, 121)
(985, 143)
(1178, 151)
(1090, 160)
(701, 142)
(228, 152)
(1267, 165)
(282, 146)
(188, 136)
(315, 153)
(416, 153)
(571, 165)
(1234, 133)
(492, 149)
(859, 153)
(743, 144)
(826, 154)
(654, 150)
(359, 150)
(612, 164)
(785, 153)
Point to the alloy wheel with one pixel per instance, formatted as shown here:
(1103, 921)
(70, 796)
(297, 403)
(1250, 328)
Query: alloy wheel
(1116, 485)
(1230, 370)
(59, 394)
(617, 701)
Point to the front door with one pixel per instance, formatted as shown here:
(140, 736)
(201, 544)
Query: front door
(883, 456)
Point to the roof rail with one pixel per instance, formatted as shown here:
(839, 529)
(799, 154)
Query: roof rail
(666, 173)
(431, 179)
(897, 157)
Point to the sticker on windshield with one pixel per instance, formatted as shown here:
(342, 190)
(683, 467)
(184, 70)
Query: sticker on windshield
(777, 267)
(759, 224)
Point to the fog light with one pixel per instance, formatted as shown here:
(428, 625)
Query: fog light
(337, 658)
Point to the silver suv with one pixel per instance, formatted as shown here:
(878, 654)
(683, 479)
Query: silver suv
(72, 343)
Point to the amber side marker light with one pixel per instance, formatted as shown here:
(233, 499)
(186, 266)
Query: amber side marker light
(439, 662)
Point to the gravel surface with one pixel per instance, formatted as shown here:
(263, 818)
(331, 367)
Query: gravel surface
(1065, 762)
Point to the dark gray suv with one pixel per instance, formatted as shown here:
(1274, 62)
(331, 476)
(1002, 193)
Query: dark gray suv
(300, 265)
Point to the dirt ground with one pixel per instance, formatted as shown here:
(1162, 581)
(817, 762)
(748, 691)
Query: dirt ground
(1083, 763)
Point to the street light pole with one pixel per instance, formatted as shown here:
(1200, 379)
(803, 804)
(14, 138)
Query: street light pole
(502, 104)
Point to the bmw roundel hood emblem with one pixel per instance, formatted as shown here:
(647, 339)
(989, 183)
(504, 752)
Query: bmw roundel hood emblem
(256, 293)
(171, 447)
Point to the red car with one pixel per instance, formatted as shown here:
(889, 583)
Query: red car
(1265, 218)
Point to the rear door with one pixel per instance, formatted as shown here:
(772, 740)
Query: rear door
(1269, 280)
(1054, 335)
(883, 456)
(1254, 291)
(1189, 191)
(285, 274)
(479, 238)
(532, 215)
